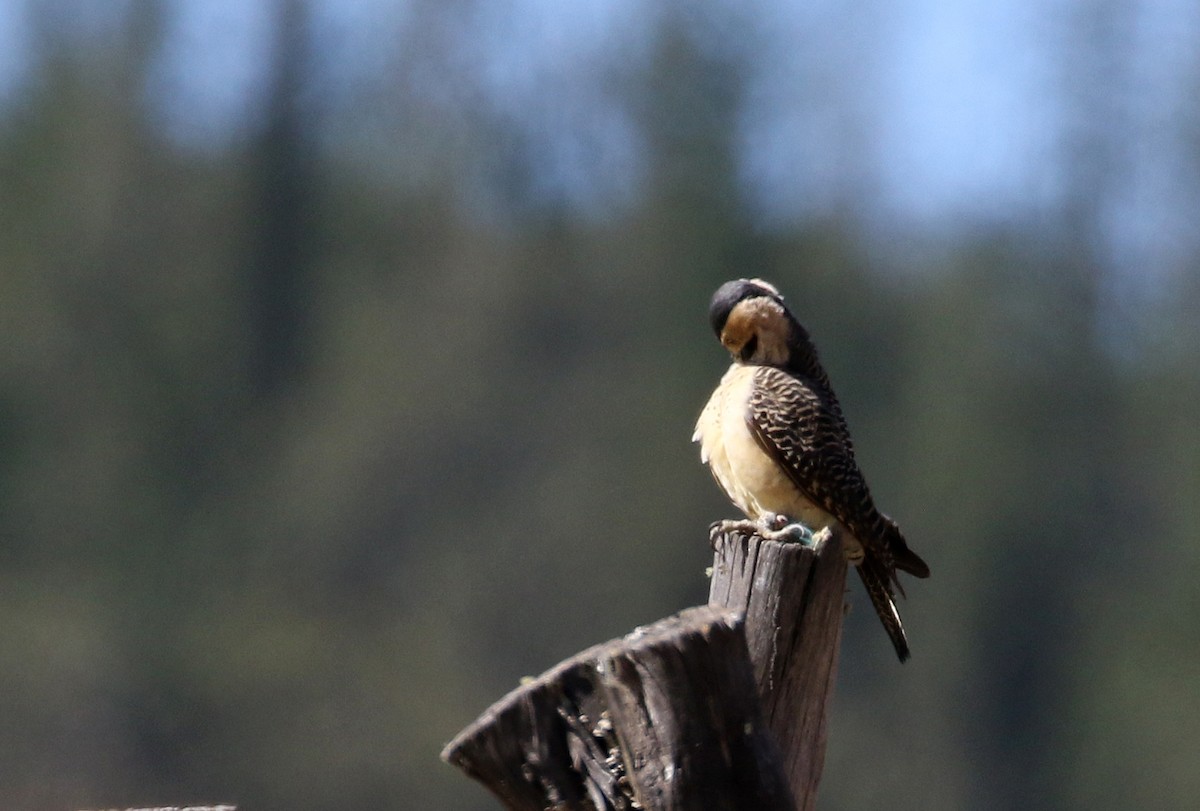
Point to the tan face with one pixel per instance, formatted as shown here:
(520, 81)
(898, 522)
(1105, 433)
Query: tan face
(757, 332)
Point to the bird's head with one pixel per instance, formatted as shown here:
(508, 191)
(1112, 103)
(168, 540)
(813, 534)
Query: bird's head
(752, 322)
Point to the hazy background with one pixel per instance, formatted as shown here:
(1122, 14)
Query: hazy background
(349, 354)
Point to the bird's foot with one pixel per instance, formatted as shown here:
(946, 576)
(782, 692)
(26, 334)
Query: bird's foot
(780, 528)
(730, 526)
(771, 527)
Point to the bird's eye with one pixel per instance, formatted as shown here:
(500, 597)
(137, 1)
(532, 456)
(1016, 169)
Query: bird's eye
(749, 348)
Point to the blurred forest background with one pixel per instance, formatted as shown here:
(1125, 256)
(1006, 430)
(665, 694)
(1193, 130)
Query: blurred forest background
(349, 354)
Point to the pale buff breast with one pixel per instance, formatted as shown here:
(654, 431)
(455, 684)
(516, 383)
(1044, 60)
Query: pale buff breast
(751, 479)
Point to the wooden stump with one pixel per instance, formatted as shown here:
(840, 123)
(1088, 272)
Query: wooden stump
(793, 600)
(665, 718)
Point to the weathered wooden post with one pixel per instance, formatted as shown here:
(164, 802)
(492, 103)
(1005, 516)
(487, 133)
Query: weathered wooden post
(793, 600)
(720, 707)
(664, 718)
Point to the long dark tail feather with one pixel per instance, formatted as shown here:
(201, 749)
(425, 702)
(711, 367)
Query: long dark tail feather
(878, 584)
(903, 558)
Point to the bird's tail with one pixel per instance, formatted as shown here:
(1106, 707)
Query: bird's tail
(878, 581)
(903, 558)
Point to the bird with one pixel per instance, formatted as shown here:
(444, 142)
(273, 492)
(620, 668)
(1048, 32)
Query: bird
(775, 440)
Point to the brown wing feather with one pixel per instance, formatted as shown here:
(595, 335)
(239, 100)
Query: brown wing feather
(801, 427)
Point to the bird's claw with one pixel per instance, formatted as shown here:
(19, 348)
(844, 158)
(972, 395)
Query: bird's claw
(771, 527)
(730, 526)
(780, 529)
